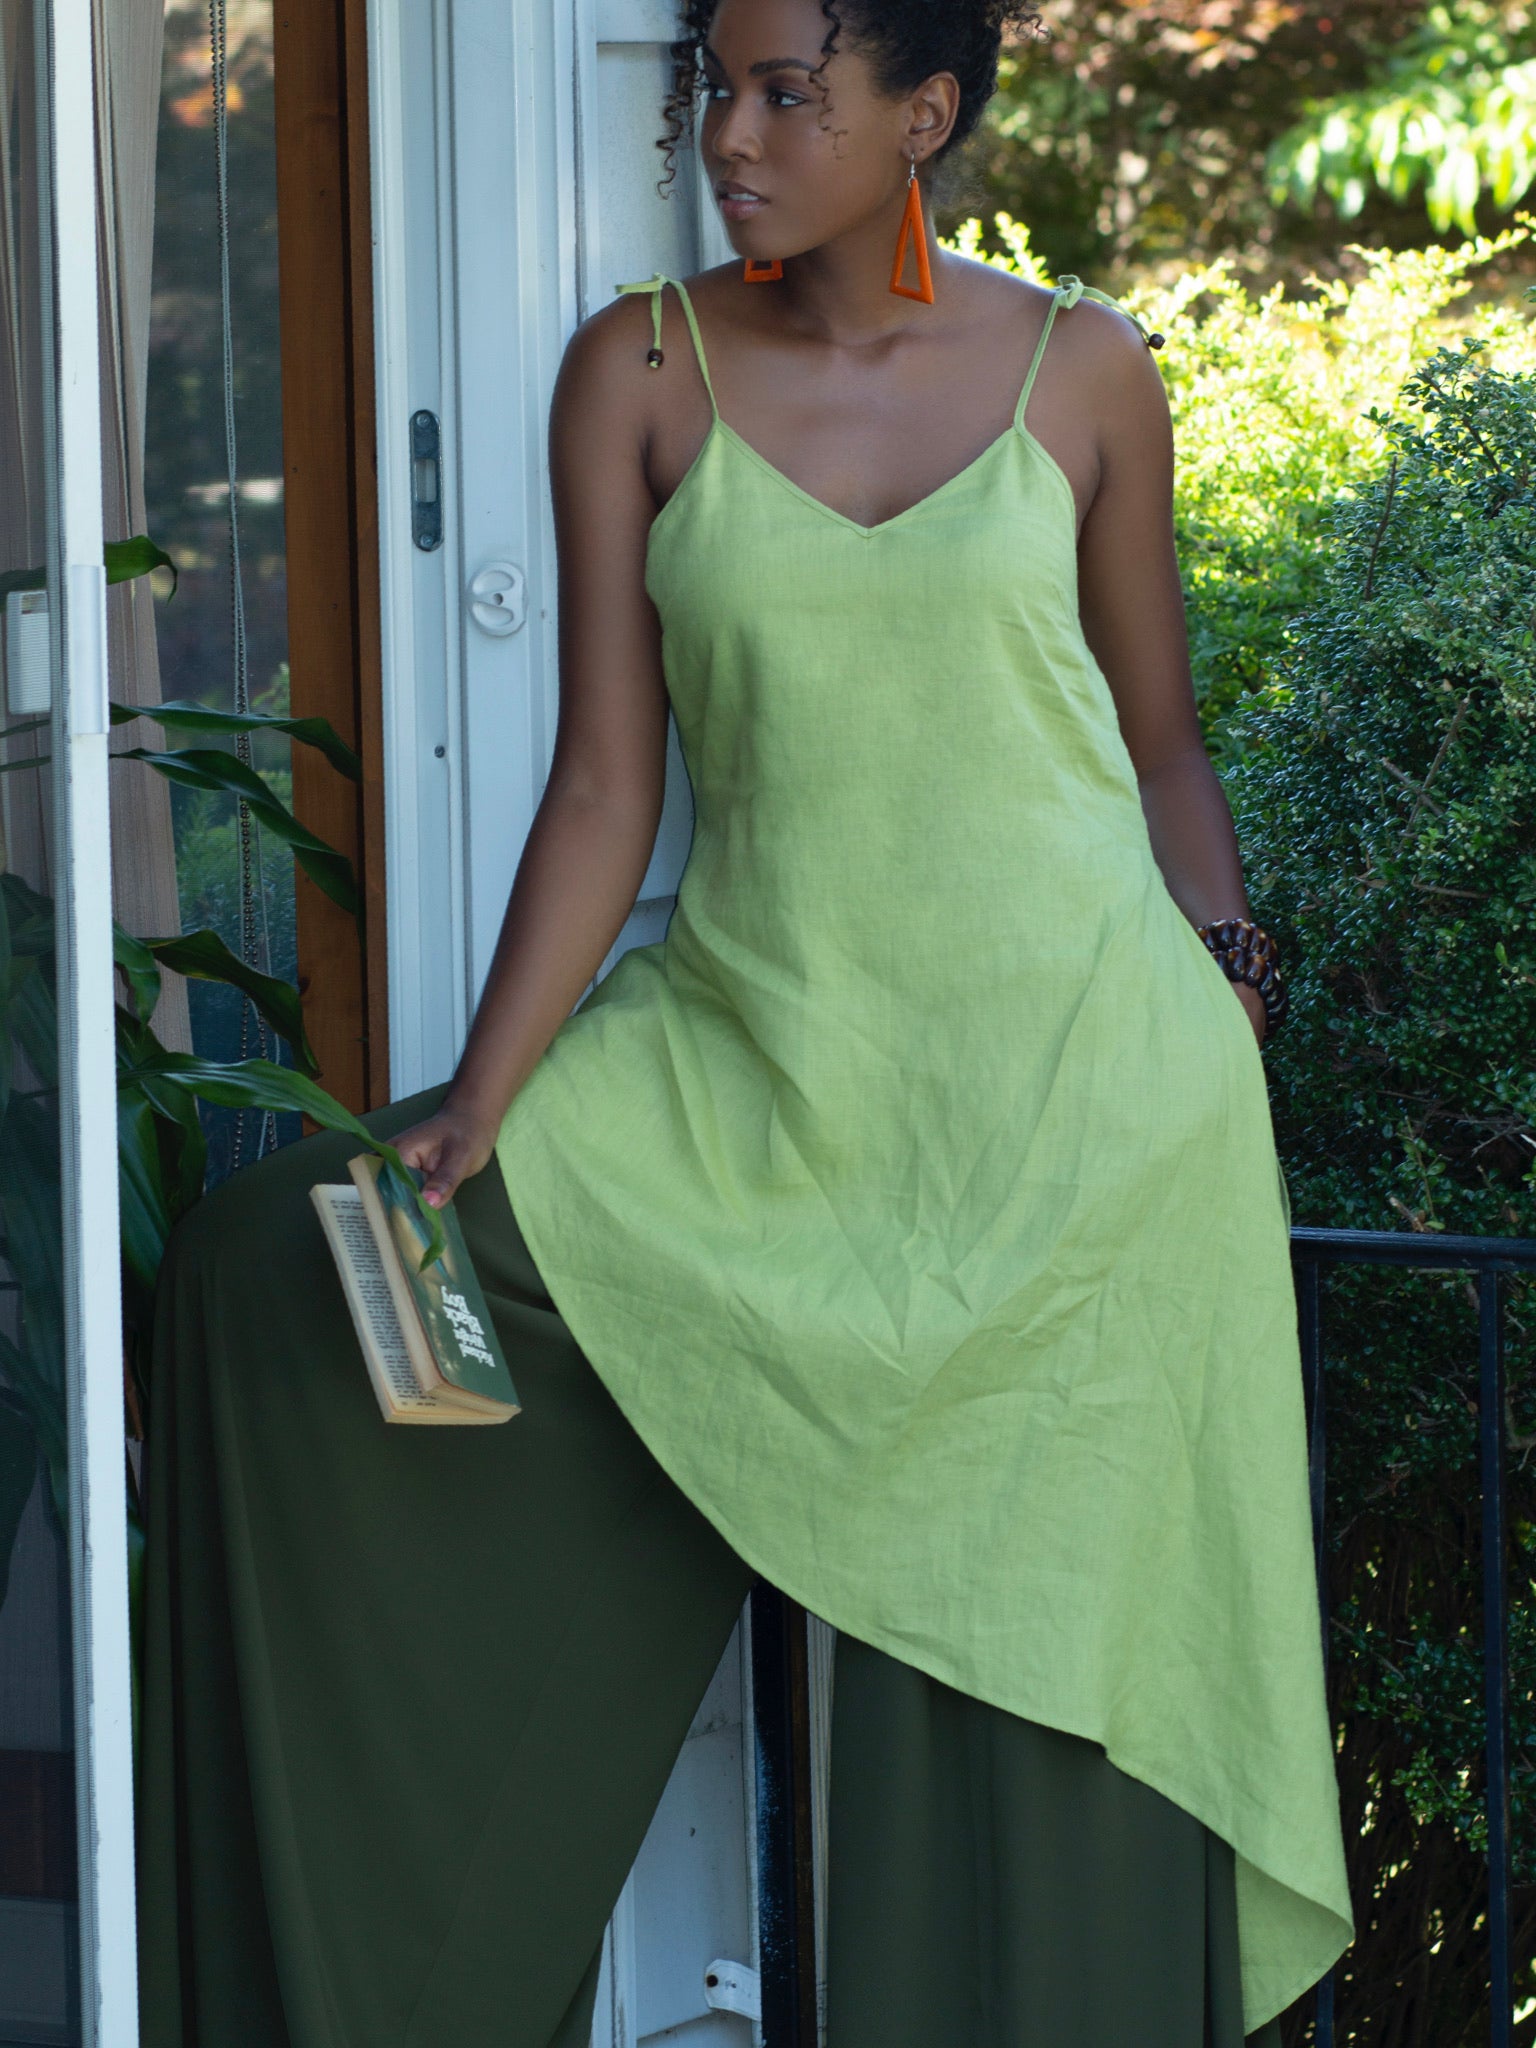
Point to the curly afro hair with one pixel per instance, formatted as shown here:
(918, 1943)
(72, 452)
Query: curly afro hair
(905, 41)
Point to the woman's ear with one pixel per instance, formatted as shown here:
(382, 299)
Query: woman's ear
(934, 106)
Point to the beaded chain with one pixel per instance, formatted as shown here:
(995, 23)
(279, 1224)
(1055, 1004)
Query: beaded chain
(1245, 952)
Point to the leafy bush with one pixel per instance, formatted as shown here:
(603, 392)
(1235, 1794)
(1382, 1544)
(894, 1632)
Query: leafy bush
(1385, 798)
(1271, 400)
(1356, 511)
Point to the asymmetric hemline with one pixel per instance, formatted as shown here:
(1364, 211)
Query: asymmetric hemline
(915, 1196)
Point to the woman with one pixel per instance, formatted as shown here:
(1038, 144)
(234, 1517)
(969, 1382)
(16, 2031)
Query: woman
(905, 1225)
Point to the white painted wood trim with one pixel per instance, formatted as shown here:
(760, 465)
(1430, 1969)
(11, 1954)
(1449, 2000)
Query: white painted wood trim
(423, 863)
(87, 1075)
(613, 2016)
(392, 410)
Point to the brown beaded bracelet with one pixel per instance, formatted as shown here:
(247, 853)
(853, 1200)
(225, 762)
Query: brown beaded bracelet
(1246, 953)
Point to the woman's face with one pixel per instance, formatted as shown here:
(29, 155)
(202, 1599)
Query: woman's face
(819, 156)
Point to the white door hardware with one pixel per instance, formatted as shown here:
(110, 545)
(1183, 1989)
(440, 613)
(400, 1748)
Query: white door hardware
(498, 599)
(732, 1987)
(28, 676)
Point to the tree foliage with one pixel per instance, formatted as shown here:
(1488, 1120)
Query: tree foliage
(1176, 130)
(1453, 117)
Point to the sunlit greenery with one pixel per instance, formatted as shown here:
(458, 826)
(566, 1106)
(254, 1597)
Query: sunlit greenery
(1453, 117)
(1356, 515)
(1271, 395)
(1171, 132)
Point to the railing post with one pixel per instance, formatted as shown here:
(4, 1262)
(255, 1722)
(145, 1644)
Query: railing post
(1309, 1307)
(1495, 1648)
(781, 1729)
(1309, 1313)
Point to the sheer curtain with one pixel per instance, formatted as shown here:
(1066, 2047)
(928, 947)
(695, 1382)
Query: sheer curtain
(129, 35)
(23, 534)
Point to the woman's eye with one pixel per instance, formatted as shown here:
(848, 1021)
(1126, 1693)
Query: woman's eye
(777, 93)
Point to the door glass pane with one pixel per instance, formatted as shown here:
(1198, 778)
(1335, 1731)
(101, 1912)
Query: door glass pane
(39, 1999)
(223, 635)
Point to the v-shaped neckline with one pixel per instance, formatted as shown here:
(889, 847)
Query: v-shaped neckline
(1015, 430)
(841, 518)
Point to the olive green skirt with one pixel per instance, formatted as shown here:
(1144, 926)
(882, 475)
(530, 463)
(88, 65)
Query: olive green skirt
(411, 1697)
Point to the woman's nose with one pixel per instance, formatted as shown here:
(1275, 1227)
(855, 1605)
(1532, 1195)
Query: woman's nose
(735, 138)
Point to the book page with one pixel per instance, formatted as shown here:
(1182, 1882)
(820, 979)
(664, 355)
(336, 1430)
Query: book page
(370, 1300)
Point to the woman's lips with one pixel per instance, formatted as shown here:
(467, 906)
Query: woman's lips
(740, 205)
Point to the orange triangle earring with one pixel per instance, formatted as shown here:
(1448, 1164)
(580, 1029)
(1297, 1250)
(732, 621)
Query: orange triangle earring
(756, 272)
(912, 230)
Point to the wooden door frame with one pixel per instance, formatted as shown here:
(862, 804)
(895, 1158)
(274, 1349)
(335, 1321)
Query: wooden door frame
(330, 490)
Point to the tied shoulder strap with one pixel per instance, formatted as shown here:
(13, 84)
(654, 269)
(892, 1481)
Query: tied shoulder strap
(1069, 289)
(654, 356)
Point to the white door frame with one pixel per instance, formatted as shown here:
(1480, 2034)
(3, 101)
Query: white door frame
(87, 1056)
(508, 118)
(504, 203)
(468, 720)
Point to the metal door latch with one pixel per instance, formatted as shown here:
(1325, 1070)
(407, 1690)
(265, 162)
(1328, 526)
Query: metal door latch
(497, 599)
(732, 1987)
(426, 481)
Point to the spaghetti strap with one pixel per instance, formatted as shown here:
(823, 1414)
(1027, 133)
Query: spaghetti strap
(1069, 290)
(653, 285)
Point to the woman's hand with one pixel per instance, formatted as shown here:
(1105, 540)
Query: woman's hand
(448, 1147)
(1253, 1003)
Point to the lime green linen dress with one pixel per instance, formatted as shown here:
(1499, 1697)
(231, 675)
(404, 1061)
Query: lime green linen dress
(916, 1197)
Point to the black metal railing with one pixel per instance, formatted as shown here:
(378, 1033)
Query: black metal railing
(786, 1920)
(781, 1708)
(1488, 1259)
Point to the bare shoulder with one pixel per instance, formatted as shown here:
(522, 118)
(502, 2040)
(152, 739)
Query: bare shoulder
(1101, 337)
(603, 371)
(726, 304)
(1112, 364)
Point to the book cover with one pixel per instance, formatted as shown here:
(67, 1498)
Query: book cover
(365, 1284)
(446, 1297)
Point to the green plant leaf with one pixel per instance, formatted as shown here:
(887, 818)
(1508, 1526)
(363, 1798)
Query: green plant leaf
(44, 1408)
(179, 714)
(260, 1084)
(18, 1476)
(211, 768)
(32, 1015)
(126, 559)
(31, 916)
(139, 970)
(182, 1132)
(144, 1209)
(203, 956)
(30, 1197)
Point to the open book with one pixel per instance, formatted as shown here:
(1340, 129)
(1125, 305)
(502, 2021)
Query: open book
(427, 1337)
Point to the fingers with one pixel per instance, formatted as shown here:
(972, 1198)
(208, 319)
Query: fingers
(439, 1186)
(446, 1153)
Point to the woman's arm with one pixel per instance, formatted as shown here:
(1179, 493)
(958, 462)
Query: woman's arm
(1132, 608)
(595, 827)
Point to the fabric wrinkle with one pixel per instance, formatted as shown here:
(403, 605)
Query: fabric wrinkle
(927, 1141)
